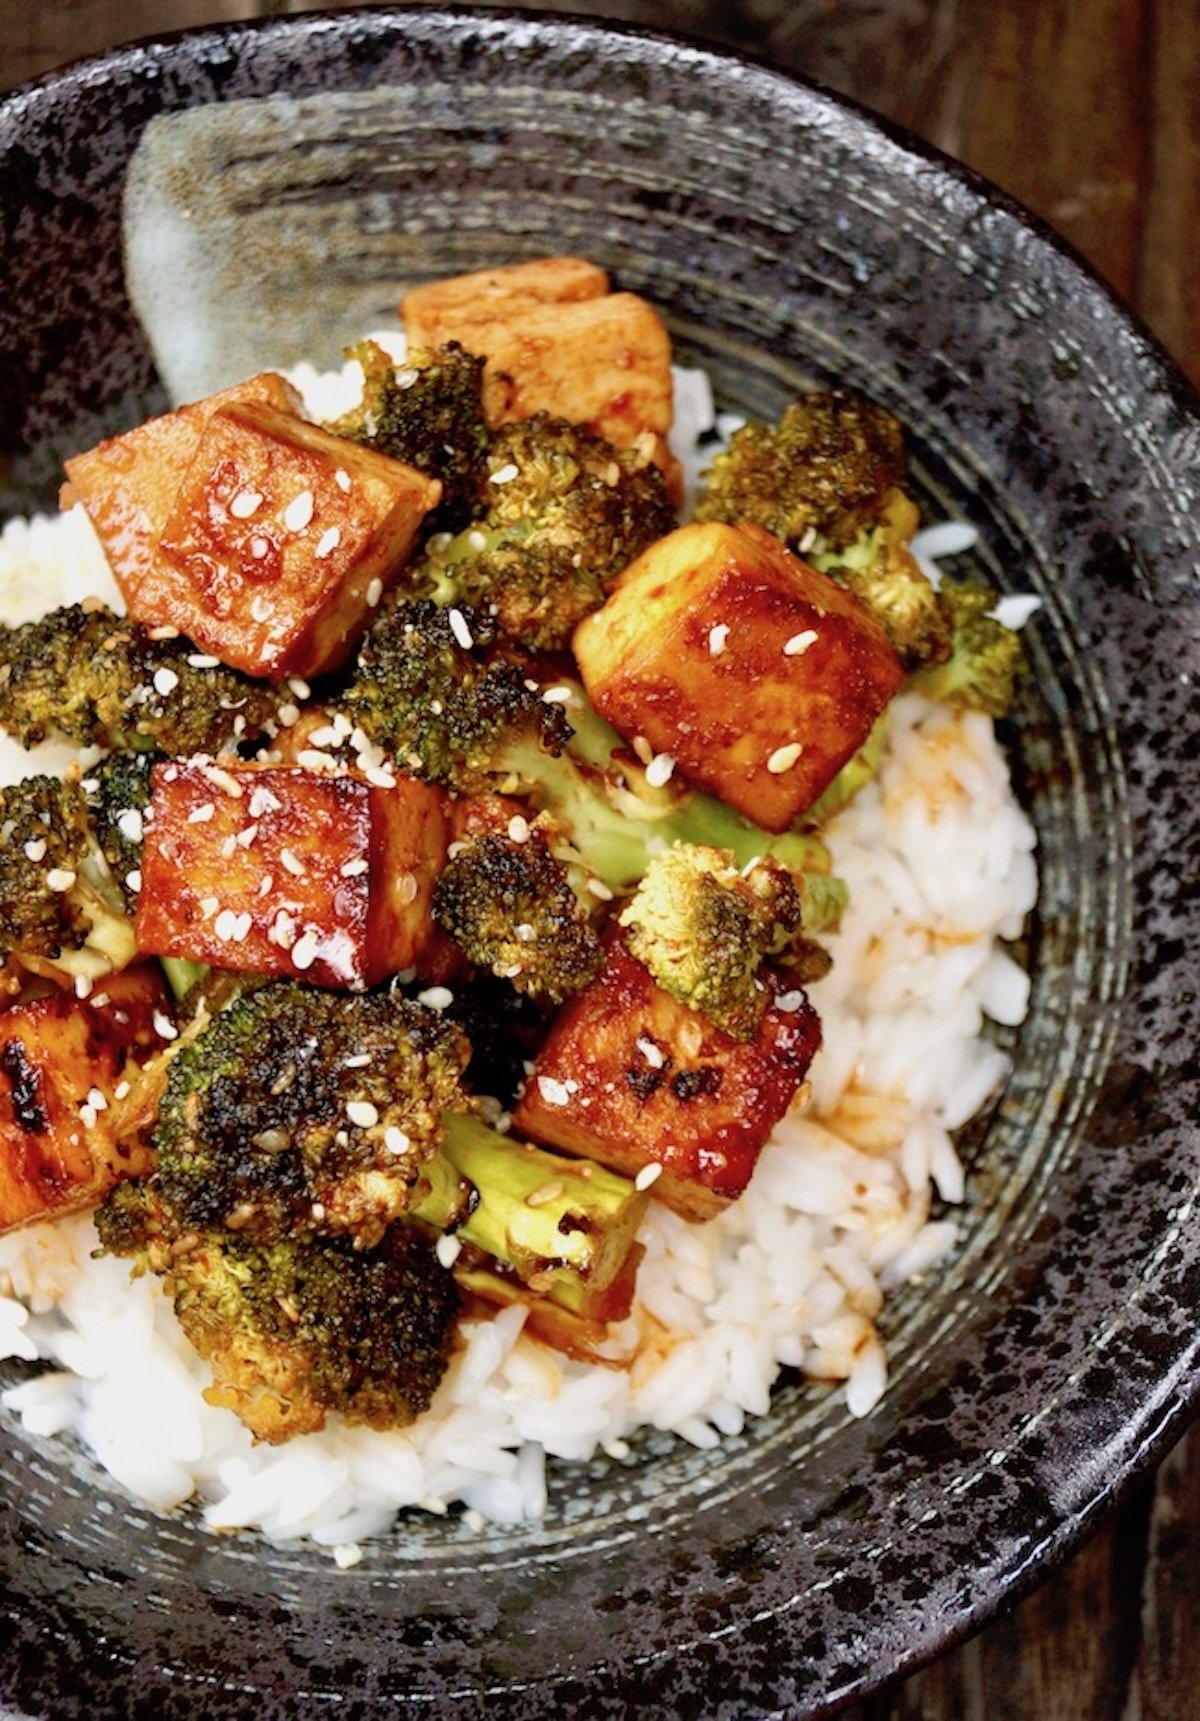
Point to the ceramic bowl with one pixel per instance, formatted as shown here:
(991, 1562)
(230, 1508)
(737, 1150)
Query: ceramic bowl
(263, 192)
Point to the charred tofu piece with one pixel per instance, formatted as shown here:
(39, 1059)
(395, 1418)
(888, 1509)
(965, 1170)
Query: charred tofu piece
(128, 485)
(287, 871)
(631, 1078)
(602, 361)
(62, 1064)
(441, 310)
(759, 676)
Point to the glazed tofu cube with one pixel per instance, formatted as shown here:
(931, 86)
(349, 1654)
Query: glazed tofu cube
(283, 870)
(62, 1061)
(631, 1078)
(758, 675)
(441, 310)
(604, 362)
(128, 485)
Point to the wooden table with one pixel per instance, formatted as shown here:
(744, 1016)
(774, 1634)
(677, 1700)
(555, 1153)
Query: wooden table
(1088, 111)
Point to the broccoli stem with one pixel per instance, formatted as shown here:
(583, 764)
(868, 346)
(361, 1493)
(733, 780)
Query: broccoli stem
(543, 1216)
(182, 974)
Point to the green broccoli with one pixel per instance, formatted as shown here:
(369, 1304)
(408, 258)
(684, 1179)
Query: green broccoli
(427, 412)
(511, 907)
(297, 1111)
(985, 659)
(103, 681)
(560, 514)
(453, 713)
(118, 801)
(854, 775)
(59, 906)
(881, 572)
(819, 477)
(704, 927)
(295, 1330)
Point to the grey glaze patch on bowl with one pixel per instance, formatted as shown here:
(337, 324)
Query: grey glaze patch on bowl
(809, 1560)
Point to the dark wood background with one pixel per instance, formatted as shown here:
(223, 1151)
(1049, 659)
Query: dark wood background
(1088, 111)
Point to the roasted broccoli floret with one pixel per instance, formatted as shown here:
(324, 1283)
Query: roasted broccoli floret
(428, 412)
(704, 927)
(452, 714)
(101, 680)
(59, 907)
(819, 477)
(986, 657)
(880, 570)
(511, 908)
(560, 514)
(118, 800)
(298, 1111)
(295, 1330)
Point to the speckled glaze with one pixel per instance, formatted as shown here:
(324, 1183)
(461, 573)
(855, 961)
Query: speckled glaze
(1055, 1354)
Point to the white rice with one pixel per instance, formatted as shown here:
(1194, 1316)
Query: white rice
(939, 860)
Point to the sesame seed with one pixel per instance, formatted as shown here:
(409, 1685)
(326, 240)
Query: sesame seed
(789, 1001)
(374, 593)
(554, 1093)
(783, 758)
(342, 479)
(283, 930)
(129, 823)
(328, 542)
(260, 606)
(59, 879)
(436, 997)
(313, 759)
(406, 889)
(359, 1061)
(97, 1100)
(617, 1449)
(299, 686)
(121, 1091)
(395, 1140)
(650, 1052)
(659, 770)
(165, 681)
(246, 503)
(717, 637)
(505, 474)
(447, 1250)
(299, 511)
(545, 1194)
(36, 850)
(327, 736)
(556, 696)
(518, 829)
(209, 906)
(202, 814)
(598, 889)
(646, 1176)
(264, 884)
(460, 630)
(164, 1027)
(477, 540)
(263, 801)
(379, 778)
(291, 863)
(246, 836)
(807, 541)
(87, 1116)
(347, 1554)
(355, 868)
(228, 848)
(642, 748)
(202, 660)
(525, 932)
(223, 780)
(304, 951)
(362, 1114)
(83, 985)
(225, 924)
(133, 880)
(799, 643)
(165, 631)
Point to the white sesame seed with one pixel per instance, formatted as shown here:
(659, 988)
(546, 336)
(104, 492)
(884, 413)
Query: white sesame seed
(299, 686)
(642, 748)
(799, 643)
(406, 889)
(346, 1554)
(447, 1250)
(477, 540)
(263, 801)
(299, 511)
(328, 542)
(165, 681)
(460, 630)
(36, 850)
(518, 829)
(223, 780)
(209, 906)
(97, 1100)
(289, 716)
(121, 1091)
(355, 868)
(202, 660)
(505, 474)
(554, 1093)
(264, 884)
(374, 593)
(556, 696)
(436, 997)
(783, 758)
(133, 880)
(283, 930)
(525, 932)
(660, 770)
(59, 879)
(362, 1114)
(202, 814)
(544, 1194)
(395, 1140)
(165, 631)
(225, 924)
(304, 951)
(313, 759)
(646, 1176)
(342, 479)
(129, 823)
(807, 541)
(598, 889)
(291, 863)
(260, 606)
(717, 637)
(328, 735)
(164, 1027)
(83, 985)
(379, 778)
(246, 503)
(246, 836)
(87, 1116)
(650, 1052)
(228, 848)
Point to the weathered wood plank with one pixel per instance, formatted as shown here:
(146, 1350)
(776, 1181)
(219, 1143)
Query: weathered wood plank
(37, 35)
(1167, 285)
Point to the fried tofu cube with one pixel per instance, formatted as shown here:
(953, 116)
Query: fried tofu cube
(62, 1060)
(601, 361)
(128, 485)
(283, 870)
(632, 1078)
(758, 675)
(440, 310)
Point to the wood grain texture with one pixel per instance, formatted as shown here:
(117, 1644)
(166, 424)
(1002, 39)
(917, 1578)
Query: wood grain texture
(1088, 111)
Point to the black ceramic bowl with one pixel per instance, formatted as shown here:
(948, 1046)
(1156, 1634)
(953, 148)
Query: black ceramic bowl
(326, 161)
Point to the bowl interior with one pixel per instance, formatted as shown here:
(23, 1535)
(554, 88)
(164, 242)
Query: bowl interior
(263, 195)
